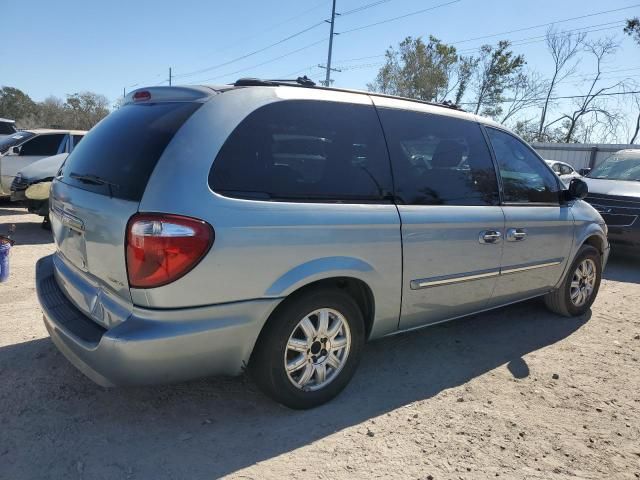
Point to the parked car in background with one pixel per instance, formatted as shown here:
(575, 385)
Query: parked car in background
(12, 140)
(38, 172)
(564, 171)
(7, 127)
(614, 190)
(277, 227)
(26, 147)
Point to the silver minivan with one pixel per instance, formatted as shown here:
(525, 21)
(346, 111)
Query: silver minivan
(276, 227)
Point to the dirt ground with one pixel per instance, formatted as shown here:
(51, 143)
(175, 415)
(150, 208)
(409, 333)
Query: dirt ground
(515, 393)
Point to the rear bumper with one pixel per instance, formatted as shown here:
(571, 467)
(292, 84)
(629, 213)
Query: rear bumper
(152, 346)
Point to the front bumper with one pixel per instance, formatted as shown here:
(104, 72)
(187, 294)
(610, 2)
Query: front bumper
(152, 346)
(626, 236)
(18, 195)
(605, 255)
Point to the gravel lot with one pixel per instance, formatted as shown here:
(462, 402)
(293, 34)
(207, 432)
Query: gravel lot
(515, 393)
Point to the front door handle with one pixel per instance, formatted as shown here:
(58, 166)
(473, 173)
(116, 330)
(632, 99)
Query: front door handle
(516, 234)
(490, 236)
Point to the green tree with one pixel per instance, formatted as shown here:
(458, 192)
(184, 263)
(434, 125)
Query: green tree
(497, 72)
(51, 113)
(633, 28)
(85, 109)
(15, 104)
(418, 70)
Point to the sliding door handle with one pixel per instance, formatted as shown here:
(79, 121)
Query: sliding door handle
(516, 234)
(490, 236)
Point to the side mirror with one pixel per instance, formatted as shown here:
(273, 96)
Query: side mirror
(584, 171)
(578, 189)
(15, 150)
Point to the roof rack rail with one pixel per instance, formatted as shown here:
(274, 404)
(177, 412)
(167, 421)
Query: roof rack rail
(450, 104)
(307, 82)
(253, 82)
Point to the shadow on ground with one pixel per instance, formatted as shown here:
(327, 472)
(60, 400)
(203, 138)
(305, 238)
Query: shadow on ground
(213, 427)
(622, 267)
(27, 233)
(10, 211)
(28, 228)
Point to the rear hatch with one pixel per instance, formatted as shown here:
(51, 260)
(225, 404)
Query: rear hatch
(99, 189)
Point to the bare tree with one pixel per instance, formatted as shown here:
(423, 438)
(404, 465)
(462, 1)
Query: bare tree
(563, 48)
(525, 93)
(636, 131)
(591, 103)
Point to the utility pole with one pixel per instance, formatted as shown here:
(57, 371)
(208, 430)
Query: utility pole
(124, 92)
(327, 81)
(169, 76)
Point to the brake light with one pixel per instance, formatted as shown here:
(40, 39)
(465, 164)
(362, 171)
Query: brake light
(141, 96)
(162, 248)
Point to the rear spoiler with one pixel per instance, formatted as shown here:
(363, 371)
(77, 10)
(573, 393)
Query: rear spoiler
(169, 94)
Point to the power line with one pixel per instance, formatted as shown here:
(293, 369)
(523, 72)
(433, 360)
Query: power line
(297, 72)
(542, 38)
(513, 43)
(264, 30)
(263, 63)
(590, 76)
(603, 12)
(511, 100)
(283, 40)
(363, 7)
(544, 24)
(250, 54)
(410, 14)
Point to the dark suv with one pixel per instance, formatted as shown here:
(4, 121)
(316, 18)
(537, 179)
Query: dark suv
(614, 190)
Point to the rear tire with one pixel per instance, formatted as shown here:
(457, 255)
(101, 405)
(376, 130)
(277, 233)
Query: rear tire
(580, 286)
(309, 349)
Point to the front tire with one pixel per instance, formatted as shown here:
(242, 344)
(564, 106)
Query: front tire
(580, 286)
(310, 348)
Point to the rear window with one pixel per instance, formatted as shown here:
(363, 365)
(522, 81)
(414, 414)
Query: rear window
(307, 151)
(116, 157)
(7, 128)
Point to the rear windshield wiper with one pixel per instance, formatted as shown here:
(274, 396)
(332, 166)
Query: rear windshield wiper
(94, 180)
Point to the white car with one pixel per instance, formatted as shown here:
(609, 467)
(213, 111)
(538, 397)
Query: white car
(564, 171)
(26, 147)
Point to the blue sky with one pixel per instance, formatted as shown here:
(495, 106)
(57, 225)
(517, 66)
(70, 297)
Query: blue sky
(57, 48)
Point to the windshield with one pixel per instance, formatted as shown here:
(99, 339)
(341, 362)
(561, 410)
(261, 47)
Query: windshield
(619, 167)
(15, 139)
(7, 128)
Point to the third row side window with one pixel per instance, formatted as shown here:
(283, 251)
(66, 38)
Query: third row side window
(305, 150)
(439, 160)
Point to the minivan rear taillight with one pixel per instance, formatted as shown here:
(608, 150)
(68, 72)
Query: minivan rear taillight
(162, 248)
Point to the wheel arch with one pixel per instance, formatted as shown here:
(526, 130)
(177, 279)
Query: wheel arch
(357, 288)
(597, 242)
(593, 236)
